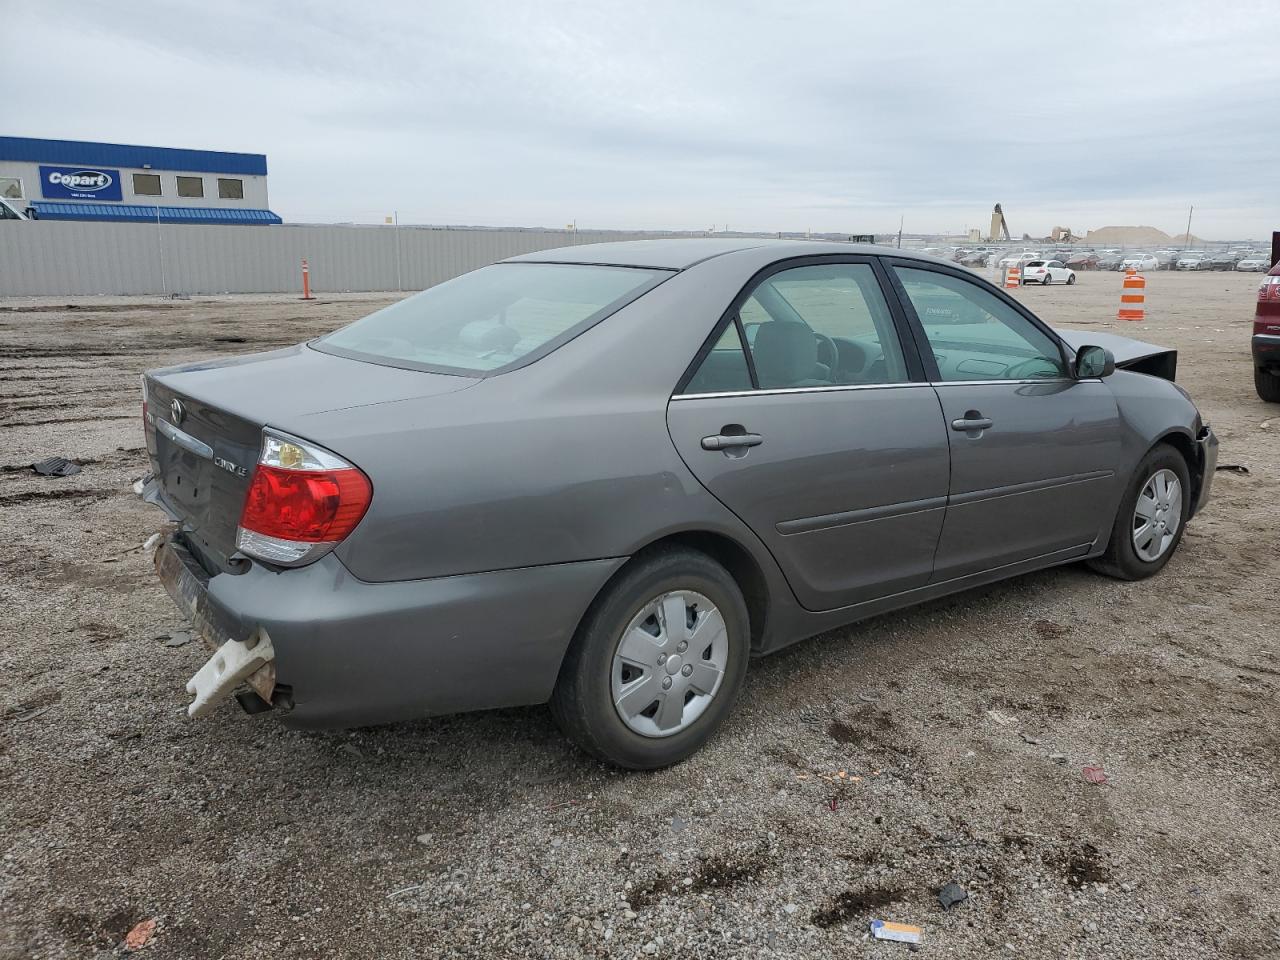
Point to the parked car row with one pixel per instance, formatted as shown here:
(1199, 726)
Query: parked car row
(1112, 259)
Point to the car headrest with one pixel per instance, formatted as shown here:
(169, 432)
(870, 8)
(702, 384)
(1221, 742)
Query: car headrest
(785, 353)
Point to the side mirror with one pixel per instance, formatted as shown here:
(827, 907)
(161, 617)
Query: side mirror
(1094, 362)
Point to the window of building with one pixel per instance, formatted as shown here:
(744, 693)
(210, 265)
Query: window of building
(190, 187)
(146, 184)
(230, 189)
(11, 188)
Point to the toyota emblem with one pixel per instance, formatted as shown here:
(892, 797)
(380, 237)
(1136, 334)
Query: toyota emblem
(176, 411)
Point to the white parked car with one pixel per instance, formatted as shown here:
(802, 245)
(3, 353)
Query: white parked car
(1018, 259)
(1255, 263)
(1047, 272)
(1141, 261)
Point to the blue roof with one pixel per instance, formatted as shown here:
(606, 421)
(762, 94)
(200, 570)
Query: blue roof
(140, 213)
(85, 153)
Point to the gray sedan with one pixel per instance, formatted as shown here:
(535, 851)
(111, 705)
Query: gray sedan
(607, 476)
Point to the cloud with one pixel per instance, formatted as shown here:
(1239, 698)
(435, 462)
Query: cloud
(829, 116)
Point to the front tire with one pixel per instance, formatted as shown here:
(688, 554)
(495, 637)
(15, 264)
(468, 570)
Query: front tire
(1071, 278)
(1152, 517)
(657, 662)
(1267, 384)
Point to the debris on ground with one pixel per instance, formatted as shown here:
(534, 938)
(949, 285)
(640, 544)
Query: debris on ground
(952, 894)
(23, 714)
(56, 467)
(1029, 738)
(1001, 718)
(1233, 468)
(1095, 775)
(901, 932)
(140, 935)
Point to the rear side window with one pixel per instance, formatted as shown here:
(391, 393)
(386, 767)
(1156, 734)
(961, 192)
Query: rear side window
(492, 317)
(813, 326)
(724, 369)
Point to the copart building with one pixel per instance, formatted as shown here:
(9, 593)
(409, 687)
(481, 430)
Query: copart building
(80, 180)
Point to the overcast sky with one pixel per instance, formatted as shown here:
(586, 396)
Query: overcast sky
(781, 116)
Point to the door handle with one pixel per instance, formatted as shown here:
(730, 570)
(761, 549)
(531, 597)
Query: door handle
(727, 441)
(972, 422)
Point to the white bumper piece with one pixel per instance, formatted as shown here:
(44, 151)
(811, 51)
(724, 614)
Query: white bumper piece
(231, 665)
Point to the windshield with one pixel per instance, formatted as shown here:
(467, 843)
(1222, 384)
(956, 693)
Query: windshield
(492, 317)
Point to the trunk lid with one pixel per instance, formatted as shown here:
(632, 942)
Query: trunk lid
(205, 420)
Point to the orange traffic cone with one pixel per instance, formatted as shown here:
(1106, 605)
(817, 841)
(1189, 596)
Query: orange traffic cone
(1013, 278)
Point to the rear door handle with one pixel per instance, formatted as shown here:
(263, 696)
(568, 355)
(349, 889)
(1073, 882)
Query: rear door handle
(727, 441)
(970, 423)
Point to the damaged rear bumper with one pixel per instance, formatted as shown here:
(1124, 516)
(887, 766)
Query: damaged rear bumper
(348, 652)
(234, 659)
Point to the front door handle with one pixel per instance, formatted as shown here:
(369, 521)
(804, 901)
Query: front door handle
(727, 441)
(972, 422)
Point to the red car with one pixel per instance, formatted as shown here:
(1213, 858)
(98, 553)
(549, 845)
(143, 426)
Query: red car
(1266, 337)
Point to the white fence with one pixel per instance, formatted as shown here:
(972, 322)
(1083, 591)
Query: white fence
(47, 258)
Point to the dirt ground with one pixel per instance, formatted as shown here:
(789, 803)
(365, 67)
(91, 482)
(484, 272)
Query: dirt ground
(861, 771)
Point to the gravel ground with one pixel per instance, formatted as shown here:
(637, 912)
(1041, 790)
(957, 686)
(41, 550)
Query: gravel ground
(861, 771)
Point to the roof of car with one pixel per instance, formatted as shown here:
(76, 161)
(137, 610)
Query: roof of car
(679, 254)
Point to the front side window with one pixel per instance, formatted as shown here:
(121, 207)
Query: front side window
(974, 335)
(190, 187)
(822, 325)
(229, 189)
(492, 317)
(146, 184)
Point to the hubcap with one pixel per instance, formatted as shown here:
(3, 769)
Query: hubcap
(669, 663)
(1157, 515)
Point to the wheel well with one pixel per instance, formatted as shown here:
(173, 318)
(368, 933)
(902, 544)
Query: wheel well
(1185, 446)
(733, 557)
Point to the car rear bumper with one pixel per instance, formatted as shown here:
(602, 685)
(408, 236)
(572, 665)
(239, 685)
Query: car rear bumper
(1266, 351)
(351, 652)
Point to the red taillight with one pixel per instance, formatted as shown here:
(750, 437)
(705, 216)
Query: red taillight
(307, 506)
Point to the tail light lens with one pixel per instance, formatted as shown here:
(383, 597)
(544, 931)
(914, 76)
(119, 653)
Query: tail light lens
(1266, 319)
(303, 501)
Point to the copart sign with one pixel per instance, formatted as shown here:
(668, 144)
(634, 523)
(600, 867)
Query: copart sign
(79, 183)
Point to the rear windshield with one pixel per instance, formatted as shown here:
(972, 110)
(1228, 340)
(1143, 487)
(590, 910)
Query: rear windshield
(498, 316)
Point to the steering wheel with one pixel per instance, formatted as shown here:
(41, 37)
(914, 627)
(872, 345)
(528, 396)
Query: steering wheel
(827, 346)
(1036, 368)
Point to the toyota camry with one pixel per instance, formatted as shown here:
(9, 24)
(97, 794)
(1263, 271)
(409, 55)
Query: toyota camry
(608, 476)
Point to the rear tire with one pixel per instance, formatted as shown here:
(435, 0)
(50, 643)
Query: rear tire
(599, 697)
(1125, 557)
(1267, 384)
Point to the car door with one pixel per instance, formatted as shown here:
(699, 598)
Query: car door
(1058, 271)
(806, 416)
(1034, 452)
